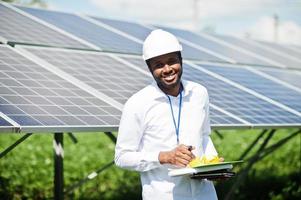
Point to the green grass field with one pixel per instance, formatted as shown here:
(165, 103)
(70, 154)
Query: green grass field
(27, 171)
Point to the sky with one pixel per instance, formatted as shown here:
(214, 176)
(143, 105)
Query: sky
(253, 19)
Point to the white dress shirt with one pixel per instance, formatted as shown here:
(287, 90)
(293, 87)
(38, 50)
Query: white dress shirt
(147, 127)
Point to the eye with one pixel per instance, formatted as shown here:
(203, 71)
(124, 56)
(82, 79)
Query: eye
(158, 65)
(173, 61)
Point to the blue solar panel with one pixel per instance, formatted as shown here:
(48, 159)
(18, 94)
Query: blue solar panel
(284, 49)
(266, 87)
(291, 77)
(17, 28)
(234, 100)
(218, 118)
(116, 82)
(98, 70)
(216, 47)
(131, 28)
(240, 103)
(105, 39)
(141, 33)
(260, 51)
(33, 96)
(3, 122)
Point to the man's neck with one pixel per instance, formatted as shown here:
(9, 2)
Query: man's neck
(172, 91)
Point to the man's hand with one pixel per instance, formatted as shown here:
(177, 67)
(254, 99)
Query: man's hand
(179, 156)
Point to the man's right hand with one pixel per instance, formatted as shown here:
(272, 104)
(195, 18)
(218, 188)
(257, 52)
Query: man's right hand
(179, 156)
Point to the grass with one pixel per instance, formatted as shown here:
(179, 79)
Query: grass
(27, 171)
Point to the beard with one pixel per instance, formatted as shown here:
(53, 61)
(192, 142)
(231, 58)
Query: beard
(166, 86)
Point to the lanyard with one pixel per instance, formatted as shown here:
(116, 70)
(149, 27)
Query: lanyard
(177, 127)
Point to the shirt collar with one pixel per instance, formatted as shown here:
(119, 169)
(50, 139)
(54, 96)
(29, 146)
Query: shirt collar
(158, 93)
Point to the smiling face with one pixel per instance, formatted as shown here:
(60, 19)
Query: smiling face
(167, 71)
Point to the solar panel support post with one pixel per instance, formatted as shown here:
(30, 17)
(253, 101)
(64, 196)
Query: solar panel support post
(58, 166)
(14, 145)
(111, 136)
(241, 176)
(244, 154)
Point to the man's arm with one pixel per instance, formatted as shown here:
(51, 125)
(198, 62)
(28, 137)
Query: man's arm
(127, 154)
(208, 146)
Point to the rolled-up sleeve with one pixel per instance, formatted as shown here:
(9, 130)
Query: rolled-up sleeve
(208, 146)
(130, 133)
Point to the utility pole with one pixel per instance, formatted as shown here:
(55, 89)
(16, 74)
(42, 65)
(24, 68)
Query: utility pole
(276, 25)
(196, 11)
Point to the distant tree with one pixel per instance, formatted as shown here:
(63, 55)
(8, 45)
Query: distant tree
(37, 3)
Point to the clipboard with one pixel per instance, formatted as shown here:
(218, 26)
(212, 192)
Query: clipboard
(203, 168)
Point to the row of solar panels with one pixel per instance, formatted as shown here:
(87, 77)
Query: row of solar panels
(55, 89)
(22, 25)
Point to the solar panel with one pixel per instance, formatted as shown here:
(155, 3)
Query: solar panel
(4, 123)
(116, 82)
(295, 48)
(273, 55)
(221, 49)
(257, 83)
(289, 76)
(134, 29)
(98, 70)
(233, 100)
(139, 31)
(34, 97)
(283, 49)
(17, 28)
(219, 118)
(101, 37)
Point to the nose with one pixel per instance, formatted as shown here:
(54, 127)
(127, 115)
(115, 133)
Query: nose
(167, 69)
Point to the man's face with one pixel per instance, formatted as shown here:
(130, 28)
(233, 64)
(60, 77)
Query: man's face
(166, 70)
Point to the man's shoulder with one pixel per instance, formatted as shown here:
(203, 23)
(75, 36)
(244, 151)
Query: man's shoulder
(196, 87)
(140, 98)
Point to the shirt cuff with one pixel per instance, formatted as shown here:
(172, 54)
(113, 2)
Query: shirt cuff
(153, 156)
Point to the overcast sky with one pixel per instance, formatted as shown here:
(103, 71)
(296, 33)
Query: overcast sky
(251, 18)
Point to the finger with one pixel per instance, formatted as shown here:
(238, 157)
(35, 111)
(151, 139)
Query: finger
(187, 157)
(221, 159)
(187, 152)
(181, 162)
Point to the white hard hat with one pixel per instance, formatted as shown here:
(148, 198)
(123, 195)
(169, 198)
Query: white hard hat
(160, 42)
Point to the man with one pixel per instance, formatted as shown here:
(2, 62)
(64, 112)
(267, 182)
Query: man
(165, 125)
